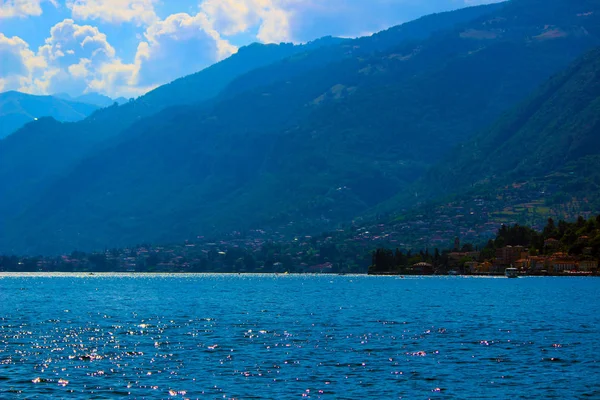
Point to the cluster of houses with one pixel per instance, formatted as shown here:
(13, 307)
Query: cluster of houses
(552, 263)
(558, 263)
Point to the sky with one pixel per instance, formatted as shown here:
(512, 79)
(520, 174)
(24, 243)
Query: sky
(128, 47)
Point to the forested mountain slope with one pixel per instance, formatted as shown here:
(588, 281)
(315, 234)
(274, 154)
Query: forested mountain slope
(39, 152)
(44, 150)
(558, 126)
(324, 144)
(409, 32)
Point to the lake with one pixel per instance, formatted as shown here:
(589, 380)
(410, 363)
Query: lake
(292, 336)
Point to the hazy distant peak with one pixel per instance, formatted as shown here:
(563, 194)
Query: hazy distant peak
(17, 109)
(92, 98)
(121, 100)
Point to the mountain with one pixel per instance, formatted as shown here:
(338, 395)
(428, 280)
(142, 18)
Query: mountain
(43, 150)
(17, 109)
(556, 129)
(211, 81)
(121, 100)
(303, 142)
(214, 79)
(305, 62)
(539, 160)
(93, 98)
(263, 67)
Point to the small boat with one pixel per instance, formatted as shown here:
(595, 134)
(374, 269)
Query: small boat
(511, 272)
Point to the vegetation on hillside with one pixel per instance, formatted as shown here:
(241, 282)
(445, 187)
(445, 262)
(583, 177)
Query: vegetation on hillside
(556, 128)
(44, 150)
(320, 145)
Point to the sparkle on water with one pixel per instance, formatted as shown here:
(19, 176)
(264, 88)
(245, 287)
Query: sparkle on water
(249, 336)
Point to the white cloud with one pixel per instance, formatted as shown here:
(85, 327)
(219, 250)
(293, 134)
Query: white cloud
(74, 55)
(139, 12)
(22, 8)
(270, 17)
(69, 41)
(84, 60)
(117, 79)
(80, 70)
(19, 64)
(79, 58)
(181, 44)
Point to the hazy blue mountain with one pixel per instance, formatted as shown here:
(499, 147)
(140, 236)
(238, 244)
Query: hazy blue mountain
(17, 109)
(44, 149)
(327, 143)
(211, 81)
(32, 165)
(96, 99)
(121, 100)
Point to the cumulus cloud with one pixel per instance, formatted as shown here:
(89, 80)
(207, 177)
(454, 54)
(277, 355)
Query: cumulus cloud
(12, 54)
(81, 59)
(69, 41)
(179, 45)
(270, 17)
(19, 64)
(140, 12)
(22, 8)
(118, 79)
(74, 54)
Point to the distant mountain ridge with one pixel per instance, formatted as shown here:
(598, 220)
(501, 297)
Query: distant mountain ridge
(314, 137)
(93, 98)
(17, 109)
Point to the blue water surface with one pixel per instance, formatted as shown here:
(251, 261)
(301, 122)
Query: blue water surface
(286, 336)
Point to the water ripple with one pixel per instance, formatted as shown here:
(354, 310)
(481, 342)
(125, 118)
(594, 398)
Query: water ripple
(246, 336)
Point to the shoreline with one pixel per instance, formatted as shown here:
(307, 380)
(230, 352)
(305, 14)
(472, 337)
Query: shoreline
(89, 274)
